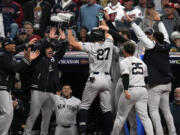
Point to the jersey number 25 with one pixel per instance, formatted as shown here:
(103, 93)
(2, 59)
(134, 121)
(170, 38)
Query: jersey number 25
(137, 68)
(103, 54)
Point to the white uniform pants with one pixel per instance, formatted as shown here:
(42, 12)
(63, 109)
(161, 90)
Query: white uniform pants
(159, 98)
(139, 97)
(60, 130)
(101, 85)
(6, 112)
(39, 101)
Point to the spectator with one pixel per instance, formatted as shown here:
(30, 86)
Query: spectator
(175, 37)
(142, 6)
(170, 19)
(12, 17)
(21, 36)
(29, 31)
(115, 10)
(38, 13)
(131, 11)
(149, 20)
(53, 2)
(66, 6)
(163, 3)
(83, 35)
(175, 109)
(158, 5)
(2, 25)
(88, 15)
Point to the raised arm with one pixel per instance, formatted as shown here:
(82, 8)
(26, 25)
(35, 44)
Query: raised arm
(163, 30)
(148, 44)
(72, 41)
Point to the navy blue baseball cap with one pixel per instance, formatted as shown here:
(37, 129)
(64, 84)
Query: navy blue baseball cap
(149, 31)
(21, 31)
(7, 41)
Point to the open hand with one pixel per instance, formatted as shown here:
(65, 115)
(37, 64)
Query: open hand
(106, 15)
(52, 34)
(62, 34)
(31, 55)
(32, 41)
(128, 18)
(103, 27)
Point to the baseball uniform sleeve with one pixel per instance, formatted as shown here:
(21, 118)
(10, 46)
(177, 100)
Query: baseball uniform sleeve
(148, 44)
(109, 41)
(116, 50)
(163, 30)
(124, 69)
(87, 47)
(145, 71)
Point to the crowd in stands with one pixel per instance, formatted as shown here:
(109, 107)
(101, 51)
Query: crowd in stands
(26, 22)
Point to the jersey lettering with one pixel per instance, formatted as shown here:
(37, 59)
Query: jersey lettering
(137, 68)
(101, 52)
(70, 107)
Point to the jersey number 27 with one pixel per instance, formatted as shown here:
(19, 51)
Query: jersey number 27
(101, 52)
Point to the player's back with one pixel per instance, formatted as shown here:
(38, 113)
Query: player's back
(100, 55)
(136, 69)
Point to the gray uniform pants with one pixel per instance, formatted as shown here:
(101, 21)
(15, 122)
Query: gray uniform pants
(39, 101)
(132, 114)
(66, 131)
(117, 88)
(159, 98)
(6, 112)
(101, 86)
(139, 97)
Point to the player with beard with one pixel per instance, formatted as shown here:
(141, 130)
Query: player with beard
(45, 80)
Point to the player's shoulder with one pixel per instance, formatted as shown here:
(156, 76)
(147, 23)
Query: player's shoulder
(125, 61)
(108, 42)
(76, 99)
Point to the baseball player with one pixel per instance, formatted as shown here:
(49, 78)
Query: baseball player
(159, 80)
(45, 80)
(8, 68)
(99, 81)
(117, 86)
(66, 108)
(133, 71)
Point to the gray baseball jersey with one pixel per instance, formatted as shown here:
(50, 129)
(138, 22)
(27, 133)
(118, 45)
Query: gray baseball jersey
(100, 58)
(136, 69)
(66, 109)
(100, 55)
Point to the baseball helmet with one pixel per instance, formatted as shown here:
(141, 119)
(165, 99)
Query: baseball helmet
(97, 35)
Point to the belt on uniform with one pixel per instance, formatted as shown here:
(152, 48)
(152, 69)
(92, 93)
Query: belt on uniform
(3, 87)
(68, 126)
(96, 73)
(130, 86)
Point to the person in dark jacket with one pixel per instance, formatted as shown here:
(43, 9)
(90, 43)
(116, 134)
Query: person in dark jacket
(38, 13)
(45, 80)
(12, 17)
(159, 75)
(8, 68)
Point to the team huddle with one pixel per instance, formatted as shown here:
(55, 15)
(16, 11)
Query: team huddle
(135, 87)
